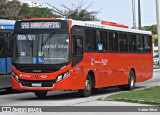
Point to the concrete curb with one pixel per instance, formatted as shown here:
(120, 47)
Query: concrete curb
(156, 70)
(156, 66)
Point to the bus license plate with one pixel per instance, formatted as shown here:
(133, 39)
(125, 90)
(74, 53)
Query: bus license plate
(36, 85)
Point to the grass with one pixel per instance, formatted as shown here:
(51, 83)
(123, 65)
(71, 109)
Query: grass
(145, 96)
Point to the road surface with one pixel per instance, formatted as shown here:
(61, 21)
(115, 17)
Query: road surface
(61, 98)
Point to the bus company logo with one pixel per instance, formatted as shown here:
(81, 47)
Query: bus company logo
(104, 61)
(36, 76)
(43, 76)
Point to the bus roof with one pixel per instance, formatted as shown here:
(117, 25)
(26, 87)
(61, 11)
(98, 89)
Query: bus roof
(97, 24)
(7, 24)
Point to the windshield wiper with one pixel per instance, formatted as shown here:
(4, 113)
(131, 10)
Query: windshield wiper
(11, 34)
(47, 38)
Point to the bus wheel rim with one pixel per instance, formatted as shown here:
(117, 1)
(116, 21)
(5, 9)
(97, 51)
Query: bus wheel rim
(88, 85)
(132, 81)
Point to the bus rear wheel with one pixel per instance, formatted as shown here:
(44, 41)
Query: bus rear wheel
(86, 92)
(40, 94)
(131, 82)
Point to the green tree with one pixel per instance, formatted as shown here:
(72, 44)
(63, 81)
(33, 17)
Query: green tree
(36, 13)
(9, 9)
(155, 38)
(152, 28)
(16, 10)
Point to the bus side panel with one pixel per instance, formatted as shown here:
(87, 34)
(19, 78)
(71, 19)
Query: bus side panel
(121, 68)
(2, 66)
(5, 81)
(148, 66)
(9, 65)
(90, 63)
(105, 68)
(99, 64)
(79, 79)
(141, 63)
(80, 72)
(135, 62)
(146, 72)
(116, 71)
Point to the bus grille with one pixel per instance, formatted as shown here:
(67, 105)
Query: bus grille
(43, 83)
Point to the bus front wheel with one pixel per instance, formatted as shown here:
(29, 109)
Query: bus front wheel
(40, 94)
(86, 92)
(131, 82)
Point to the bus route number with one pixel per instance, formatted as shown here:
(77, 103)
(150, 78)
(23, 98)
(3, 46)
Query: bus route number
(25, 25)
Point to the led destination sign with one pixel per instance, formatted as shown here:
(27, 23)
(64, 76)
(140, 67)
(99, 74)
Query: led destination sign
(41, 25)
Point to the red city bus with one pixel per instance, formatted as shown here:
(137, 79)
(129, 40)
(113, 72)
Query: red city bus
(64, 54)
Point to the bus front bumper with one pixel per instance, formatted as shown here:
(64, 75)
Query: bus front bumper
(27, 85)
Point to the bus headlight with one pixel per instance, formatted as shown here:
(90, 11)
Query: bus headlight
(15, 76)
(66, 74)
(62, 76)
(59, 78)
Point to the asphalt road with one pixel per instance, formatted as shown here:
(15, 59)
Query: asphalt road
(155, 81)
(61, 98)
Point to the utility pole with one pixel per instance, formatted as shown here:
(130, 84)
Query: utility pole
(134, 14)
(139, 14)
(158, 26)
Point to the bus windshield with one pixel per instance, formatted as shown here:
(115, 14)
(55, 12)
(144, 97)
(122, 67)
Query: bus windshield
(41, 48)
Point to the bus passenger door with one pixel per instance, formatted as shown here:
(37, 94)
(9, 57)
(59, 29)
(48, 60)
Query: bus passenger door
(5, 63)
(77, 48)
(77, 56)
(2, 55)
(8, 42)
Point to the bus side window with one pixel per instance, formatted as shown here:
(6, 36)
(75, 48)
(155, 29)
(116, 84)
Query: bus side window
(102, 41)
(147, 44)
(132, 43)
(9, 45)
(2, 46)
(90, 40)
(140, 43)
(77, 45)
(123, 43)
(113, 42)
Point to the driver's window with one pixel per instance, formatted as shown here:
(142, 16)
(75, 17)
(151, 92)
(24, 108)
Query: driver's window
(77, 45)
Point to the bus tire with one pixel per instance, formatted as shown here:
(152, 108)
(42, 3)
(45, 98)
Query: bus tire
(40, 94)
(10, 90)
(86, 92)
(131, 82)
(95, 90)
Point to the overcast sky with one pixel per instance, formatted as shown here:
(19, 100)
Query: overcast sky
(114, 10)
